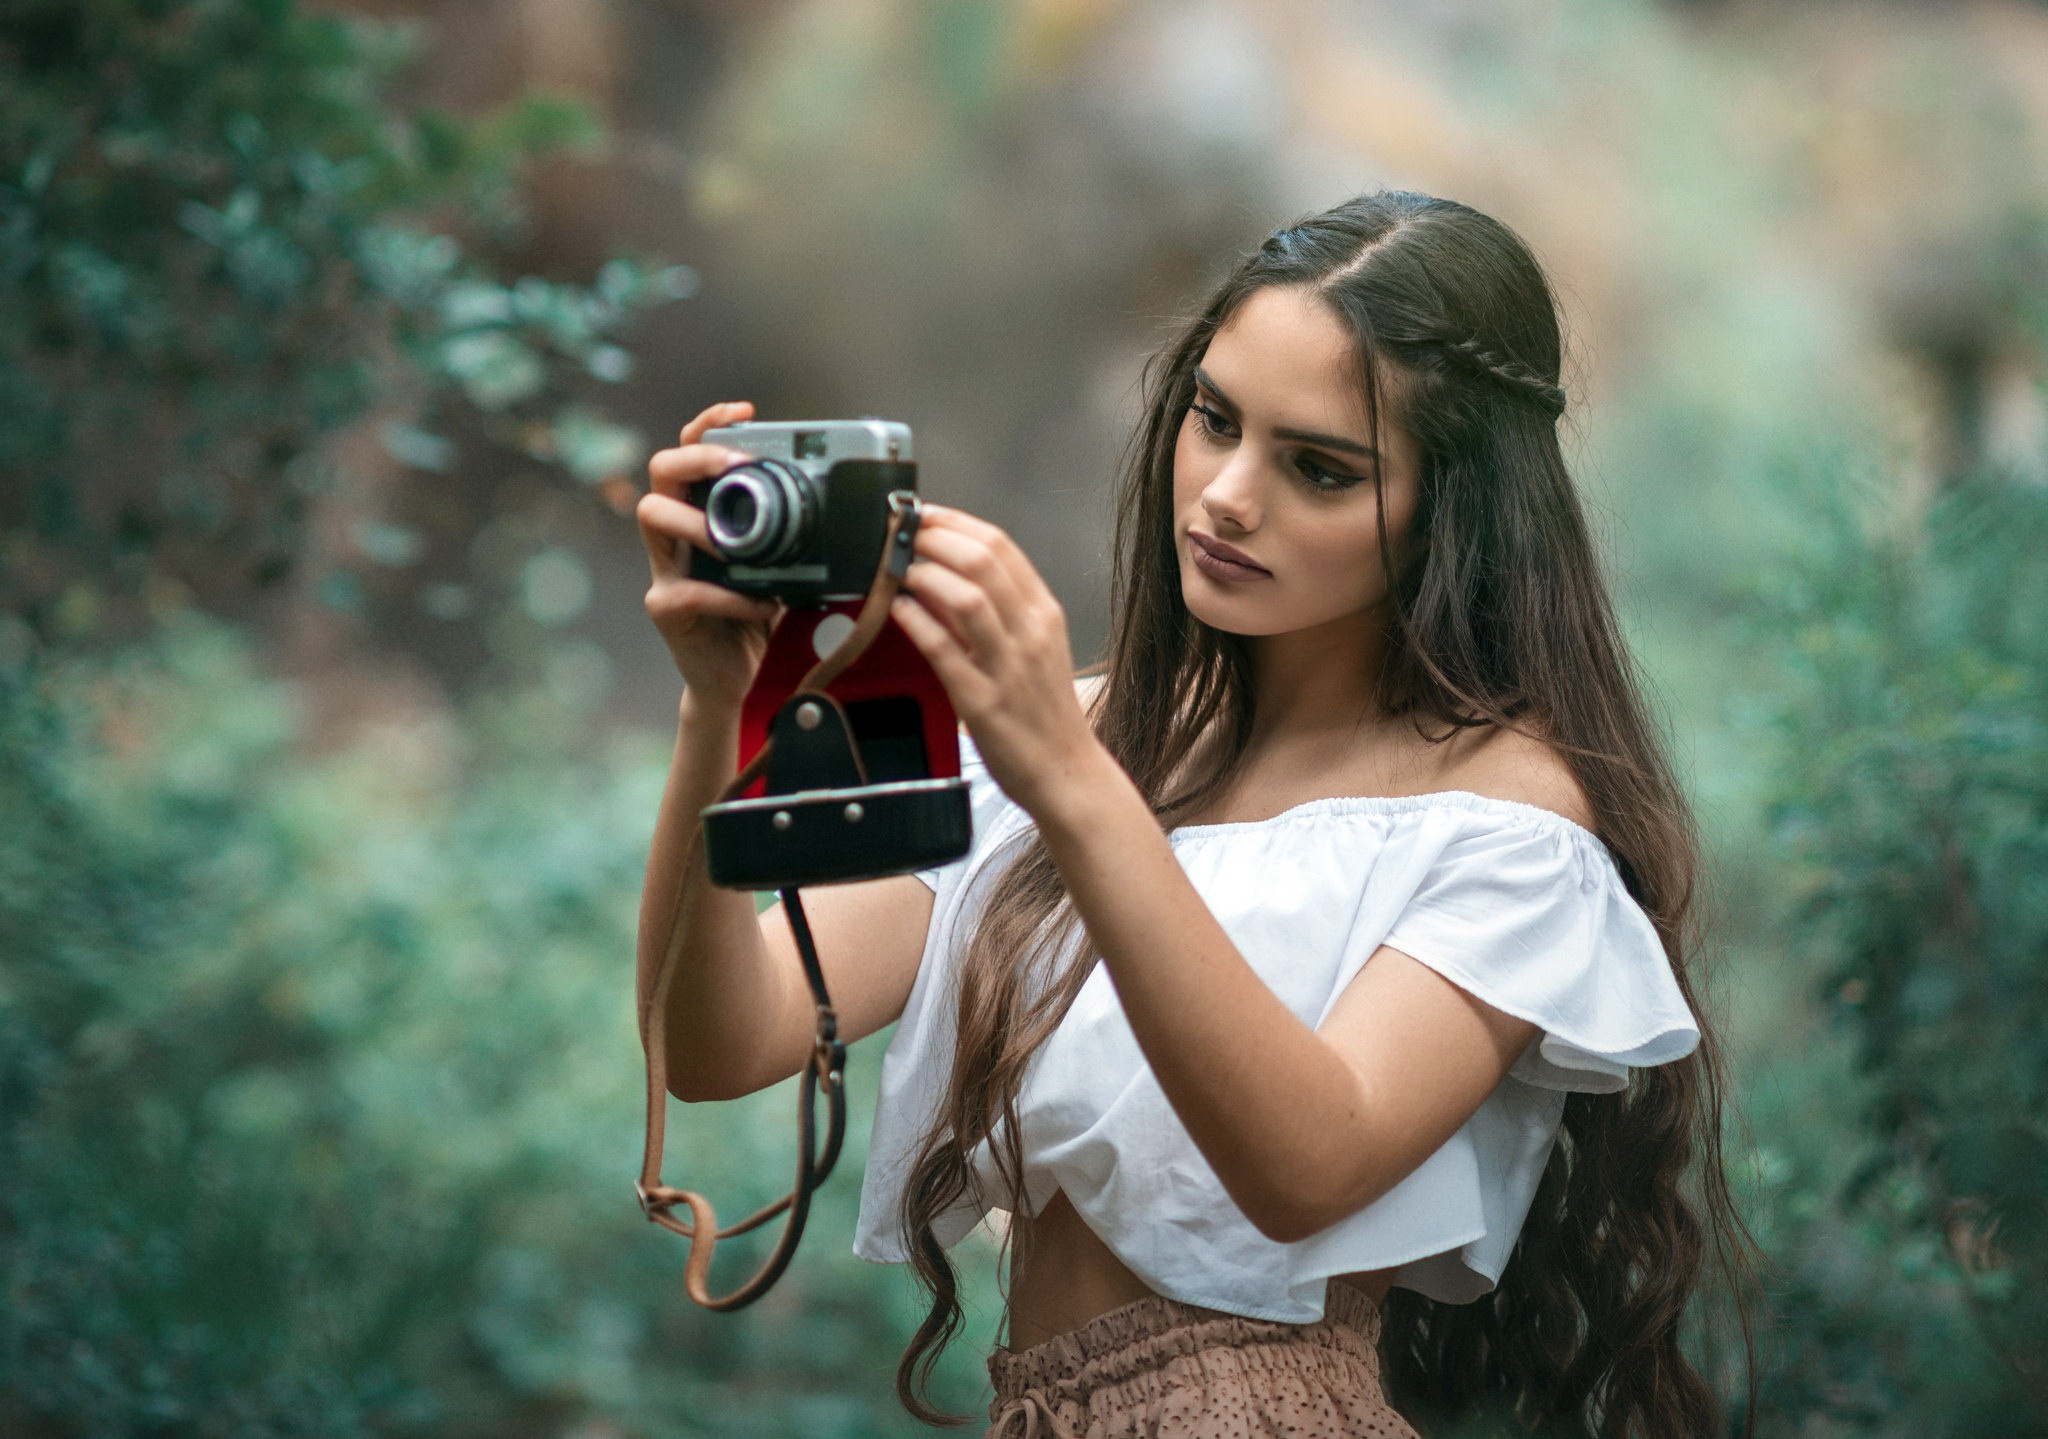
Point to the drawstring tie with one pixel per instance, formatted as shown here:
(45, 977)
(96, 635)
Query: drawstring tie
(1028, 1416)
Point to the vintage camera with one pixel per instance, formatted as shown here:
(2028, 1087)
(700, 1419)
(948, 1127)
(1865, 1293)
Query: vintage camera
(863, 779)
(803, 520)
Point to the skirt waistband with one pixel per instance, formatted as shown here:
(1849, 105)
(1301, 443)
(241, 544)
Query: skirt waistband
(1138, 1338)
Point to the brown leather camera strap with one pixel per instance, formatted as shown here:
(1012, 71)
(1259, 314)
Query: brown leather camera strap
(827, 1065)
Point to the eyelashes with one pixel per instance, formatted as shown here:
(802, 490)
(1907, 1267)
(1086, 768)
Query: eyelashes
(1213, 426)
(1210, 422)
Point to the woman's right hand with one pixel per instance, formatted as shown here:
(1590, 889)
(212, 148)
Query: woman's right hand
(716, 635)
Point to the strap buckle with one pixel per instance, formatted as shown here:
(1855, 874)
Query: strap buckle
(908, 512)
(828, 1057)
(828, 1054)
(654, 1203)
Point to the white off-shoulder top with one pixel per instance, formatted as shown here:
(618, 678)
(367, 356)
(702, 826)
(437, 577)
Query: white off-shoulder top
(1512, 903)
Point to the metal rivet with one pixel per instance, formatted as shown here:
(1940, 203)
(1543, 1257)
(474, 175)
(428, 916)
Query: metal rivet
(809, 716)
(854, 813)
(781, 819)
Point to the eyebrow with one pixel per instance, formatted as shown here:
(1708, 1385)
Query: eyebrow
(1300, 437)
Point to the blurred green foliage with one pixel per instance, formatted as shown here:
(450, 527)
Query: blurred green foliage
(319, 1089)
(1911, 742)
(318, 1083)
(219, 243)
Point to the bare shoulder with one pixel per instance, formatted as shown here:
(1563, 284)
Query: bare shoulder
(1505, 764)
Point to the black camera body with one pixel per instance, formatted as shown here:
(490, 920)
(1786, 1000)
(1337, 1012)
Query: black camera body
(803, 520)
(862, 777)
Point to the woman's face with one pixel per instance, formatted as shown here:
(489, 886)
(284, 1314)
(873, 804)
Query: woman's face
(1275, 462)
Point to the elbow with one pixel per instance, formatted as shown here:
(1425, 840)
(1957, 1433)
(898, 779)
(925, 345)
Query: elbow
(711, 1088)
(705, 1084)
(714, 1083)
(696, 1092)
(1291, 1221)
(1302, 1210)
(1290, 1228)
(1322, 1173)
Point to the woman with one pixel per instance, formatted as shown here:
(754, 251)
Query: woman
(1315, 995)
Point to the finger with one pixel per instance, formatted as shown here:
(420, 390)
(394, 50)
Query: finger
(672, 597)
(670, 471)
(664, 558)
(664, 533)
(726, 412)
(664, 520)
(1010, 560)
(974, 558)
(941, 649)
(960, 604)
(950, 518)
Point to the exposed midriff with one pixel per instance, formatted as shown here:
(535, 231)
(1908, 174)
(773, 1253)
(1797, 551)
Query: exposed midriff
(1062, 1276)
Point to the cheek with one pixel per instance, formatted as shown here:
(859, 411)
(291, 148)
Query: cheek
(1342, 551)
(1191, 470)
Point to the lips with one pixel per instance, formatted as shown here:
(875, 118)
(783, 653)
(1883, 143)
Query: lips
(1224, 559)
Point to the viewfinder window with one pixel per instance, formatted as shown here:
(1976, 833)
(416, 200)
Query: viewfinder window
(808, 444)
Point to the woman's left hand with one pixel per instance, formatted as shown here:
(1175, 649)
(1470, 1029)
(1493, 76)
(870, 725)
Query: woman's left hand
(980, 613)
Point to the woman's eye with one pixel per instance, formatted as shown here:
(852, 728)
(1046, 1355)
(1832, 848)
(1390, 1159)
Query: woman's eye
(1210, 422)
(1321, 477)
(1214, 425)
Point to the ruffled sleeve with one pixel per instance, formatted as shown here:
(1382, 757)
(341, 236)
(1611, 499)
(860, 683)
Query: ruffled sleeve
(1514, 904)
(1534, 919)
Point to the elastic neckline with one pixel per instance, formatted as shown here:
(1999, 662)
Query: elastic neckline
(1392, 804)
(1387, 804)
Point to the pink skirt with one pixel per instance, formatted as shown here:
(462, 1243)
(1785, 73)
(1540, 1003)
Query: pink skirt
(1160, 1369)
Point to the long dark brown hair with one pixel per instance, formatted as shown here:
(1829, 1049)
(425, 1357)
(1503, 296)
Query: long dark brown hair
(1500, 617)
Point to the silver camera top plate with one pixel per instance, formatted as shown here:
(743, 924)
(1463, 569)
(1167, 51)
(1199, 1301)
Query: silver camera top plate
(817, 442)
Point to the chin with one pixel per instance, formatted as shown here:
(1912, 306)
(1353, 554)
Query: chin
(1219, 613)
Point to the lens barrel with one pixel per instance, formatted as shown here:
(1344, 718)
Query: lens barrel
(761, 512)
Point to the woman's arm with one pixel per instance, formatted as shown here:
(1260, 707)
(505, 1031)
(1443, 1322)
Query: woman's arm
(1302, 1126)
(738, 1013)
(726, 1003)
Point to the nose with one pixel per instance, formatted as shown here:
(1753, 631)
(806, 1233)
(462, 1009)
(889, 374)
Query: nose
(1232, 497)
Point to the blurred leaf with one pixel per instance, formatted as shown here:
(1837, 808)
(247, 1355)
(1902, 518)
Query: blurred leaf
(591, 447)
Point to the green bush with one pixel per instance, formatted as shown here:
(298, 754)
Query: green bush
(319, 1089)
(220, 243)
(1907, 1153)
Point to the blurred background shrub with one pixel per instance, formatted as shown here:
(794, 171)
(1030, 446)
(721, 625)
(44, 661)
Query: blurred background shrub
(332, 343)
(1911, 804)
(318, 1089)
(221, 247)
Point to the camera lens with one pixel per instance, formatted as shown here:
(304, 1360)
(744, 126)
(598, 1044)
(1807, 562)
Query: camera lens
(759, 512)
